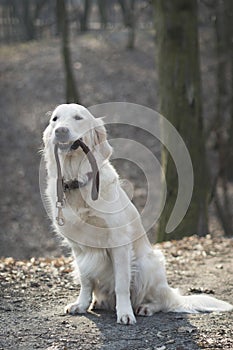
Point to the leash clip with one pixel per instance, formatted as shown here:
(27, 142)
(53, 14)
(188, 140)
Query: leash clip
(60, 218)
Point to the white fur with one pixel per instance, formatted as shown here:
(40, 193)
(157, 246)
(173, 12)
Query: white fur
(130, 278)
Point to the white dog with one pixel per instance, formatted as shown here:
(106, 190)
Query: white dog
(117, 267)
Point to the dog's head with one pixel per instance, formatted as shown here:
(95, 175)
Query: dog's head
(70, 122)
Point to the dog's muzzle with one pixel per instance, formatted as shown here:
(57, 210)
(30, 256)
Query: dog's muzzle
(64, 141)
(62, 138)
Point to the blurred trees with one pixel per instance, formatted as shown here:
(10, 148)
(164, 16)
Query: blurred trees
(19, 18)
(33, 19)
(180, 102)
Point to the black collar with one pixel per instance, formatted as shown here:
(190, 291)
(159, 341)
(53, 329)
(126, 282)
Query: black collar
(75, 184)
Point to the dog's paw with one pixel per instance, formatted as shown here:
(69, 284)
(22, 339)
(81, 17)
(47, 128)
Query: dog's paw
(126, 319)
(144, 310)
(75, 308)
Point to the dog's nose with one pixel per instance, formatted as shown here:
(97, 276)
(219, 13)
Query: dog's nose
(62, 134)
(61, 131)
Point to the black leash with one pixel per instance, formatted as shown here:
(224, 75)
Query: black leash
(95, 170)
(60, 185)
(60, 194)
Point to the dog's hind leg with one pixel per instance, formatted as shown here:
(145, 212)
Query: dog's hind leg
(104, 303)
(147, 309)
(152, 290)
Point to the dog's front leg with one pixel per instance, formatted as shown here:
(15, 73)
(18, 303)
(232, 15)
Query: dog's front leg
(84, 299)
(121, 258)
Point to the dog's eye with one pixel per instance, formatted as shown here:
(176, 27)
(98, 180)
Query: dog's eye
(77, 117)
(55, 118)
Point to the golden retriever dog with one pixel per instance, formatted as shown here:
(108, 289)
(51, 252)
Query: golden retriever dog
(117, 267)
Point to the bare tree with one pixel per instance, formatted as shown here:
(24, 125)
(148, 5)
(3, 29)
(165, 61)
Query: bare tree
(229, 14)
(128, 12)
(102, 5)
(223, 124)
(85, 15)
(62, 19)
(180, 103)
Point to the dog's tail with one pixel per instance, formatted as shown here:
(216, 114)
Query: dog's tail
(194, 303)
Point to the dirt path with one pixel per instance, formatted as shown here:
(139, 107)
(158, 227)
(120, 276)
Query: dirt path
(34, 293)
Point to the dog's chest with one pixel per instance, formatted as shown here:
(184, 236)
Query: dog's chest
(78, 210)
(74, 201)
(95, 263)
(75, 205)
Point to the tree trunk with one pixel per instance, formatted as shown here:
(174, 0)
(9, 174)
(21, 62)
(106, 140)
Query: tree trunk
(62, 20)
(28, 21)
(102, 5)
(85, 15)
(229, 6)
(224, 143)
(180, 103)
(128, 9)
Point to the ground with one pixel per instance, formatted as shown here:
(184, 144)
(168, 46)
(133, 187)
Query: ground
(35, 286)
(34, 293)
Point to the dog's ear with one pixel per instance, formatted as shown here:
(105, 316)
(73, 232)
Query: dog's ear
(100, 138)
(44, 124)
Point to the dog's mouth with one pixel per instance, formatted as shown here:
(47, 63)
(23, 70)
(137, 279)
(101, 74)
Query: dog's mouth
(64, 146)
(68, 146)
